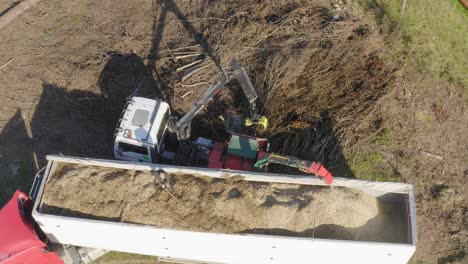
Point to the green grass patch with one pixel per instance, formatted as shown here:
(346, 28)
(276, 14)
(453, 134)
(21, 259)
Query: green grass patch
(458, 5)
(120, 257)
(367, 163)
(371, 166)
(385, 137)
(423, 117)
(432, 36)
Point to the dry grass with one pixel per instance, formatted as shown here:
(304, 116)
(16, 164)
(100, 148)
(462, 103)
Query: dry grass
(124, 258)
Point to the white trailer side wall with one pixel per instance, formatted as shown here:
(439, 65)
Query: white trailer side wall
(223, 248)
(217, 248)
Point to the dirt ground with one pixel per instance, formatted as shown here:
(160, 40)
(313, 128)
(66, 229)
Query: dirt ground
(217, 205)
(319, 67)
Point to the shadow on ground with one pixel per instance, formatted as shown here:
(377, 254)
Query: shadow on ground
(76, 123)
(16, 158)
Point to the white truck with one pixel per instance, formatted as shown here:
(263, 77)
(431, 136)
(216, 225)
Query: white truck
(190, 246)
(142, 129)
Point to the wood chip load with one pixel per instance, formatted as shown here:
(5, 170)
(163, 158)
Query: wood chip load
(201, 203)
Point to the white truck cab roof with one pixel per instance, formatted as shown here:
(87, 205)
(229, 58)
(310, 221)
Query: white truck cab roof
(143, 122)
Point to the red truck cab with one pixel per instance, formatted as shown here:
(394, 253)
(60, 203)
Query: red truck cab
(19, 241)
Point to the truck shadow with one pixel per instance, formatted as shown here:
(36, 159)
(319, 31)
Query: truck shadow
(17, 166)
(70, 122)
(82, 123)
(77, 123)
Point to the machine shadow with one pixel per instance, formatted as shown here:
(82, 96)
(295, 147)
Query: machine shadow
(124, 75)
(17, 166)
(165, 79)
(158, 30)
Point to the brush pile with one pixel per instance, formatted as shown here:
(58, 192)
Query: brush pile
(314, 65)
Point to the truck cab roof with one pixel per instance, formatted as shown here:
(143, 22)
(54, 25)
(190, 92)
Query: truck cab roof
(143, 121)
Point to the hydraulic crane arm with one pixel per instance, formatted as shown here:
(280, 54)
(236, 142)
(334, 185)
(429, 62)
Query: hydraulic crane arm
(182, 127)
(303, 165)
(238, 72)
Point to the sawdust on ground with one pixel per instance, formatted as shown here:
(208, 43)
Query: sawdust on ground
(200, 203)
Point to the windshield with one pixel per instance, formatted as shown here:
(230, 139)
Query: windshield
(125, 147)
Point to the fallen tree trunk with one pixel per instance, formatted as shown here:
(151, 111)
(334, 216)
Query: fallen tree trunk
(16, 11)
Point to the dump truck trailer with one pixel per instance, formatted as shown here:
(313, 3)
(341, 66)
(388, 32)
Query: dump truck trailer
(385, 235)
